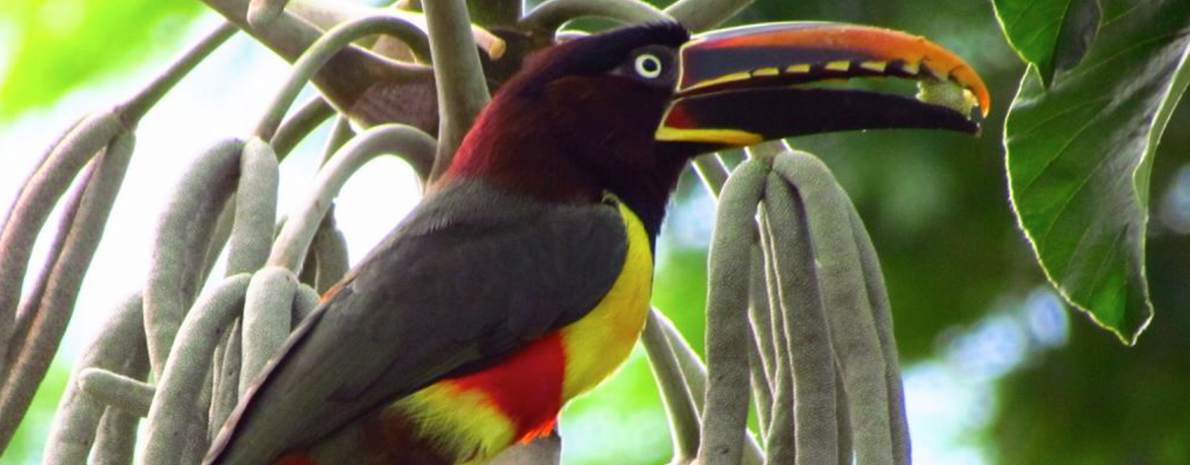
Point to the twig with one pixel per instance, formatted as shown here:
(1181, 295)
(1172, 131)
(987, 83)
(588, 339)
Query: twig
(700, 15)
(882, 315)
(290, 248)
(131, 111)
(551, 15)
(295, 128)
(268, 308)
(712, 172)
(459, 79)
(679, 404)
(32, 358)
(263, 12)
(330, 246)
(227, 380)
(173, 428)
(726, 413)
(305, 300)
(72, 432)
(31, 301)
(341, 132)
(31, 209)
(181, 243)
(805, 326)
(255, 208)
(319, 53)
(116, 390)
(762, 356)
(852, 329)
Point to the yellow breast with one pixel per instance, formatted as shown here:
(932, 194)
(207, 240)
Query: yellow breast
(599, 342)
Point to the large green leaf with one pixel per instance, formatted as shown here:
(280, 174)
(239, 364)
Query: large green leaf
(1079, 157)
(1052, 35)
(54, 45)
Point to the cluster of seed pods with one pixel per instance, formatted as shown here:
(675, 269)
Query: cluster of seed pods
(797, 318)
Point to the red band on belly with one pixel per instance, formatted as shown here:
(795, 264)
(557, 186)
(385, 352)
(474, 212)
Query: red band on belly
(527, 386)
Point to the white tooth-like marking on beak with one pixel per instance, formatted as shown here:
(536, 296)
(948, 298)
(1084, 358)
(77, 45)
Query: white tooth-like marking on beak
(766, 72)
(840, 66)
(911, 68)
(874, 66)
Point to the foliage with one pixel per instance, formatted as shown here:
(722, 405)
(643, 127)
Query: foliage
(936, 207)
(60, 44)
(1081, 151)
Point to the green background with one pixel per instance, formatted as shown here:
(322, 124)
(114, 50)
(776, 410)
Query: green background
(966, 291)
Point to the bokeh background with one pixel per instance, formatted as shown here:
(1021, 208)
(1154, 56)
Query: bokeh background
(997, 369)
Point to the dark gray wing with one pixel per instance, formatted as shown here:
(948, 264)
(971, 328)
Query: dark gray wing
(471, 276)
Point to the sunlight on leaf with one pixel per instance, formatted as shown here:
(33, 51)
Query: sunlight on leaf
(1078, 159)
(1052, 35)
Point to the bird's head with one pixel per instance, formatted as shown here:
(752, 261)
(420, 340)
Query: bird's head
(623, 111)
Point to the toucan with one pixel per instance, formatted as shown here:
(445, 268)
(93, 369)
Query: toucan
(523, 278)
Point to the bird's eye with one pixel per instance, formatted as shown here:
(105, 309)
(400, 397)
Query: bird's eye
(648, 65)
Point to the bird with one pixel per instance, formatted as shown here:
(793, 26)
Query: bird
(523, 278)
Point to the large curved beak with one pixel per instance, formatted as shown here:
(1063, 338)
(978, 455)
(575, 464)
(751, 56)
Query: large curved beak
(745, 85)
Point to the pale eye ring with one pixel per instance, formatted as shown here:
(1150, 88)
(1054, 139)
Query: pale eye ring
(648, 66)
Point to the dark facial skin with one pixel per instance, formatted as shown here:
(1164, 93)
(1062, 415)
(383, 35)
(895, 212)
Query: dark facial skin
(580, 128)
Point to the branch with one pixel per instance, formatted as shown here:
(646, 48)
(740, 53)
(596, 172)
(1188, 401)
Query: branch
(32, 358)
(181, 242)
(853, 331)
(268, 308)
(726, 413)
(226, 367)
(459, 79)
(304, 301)
(31, 209)
(116, 390)
(322, 51)
(131, 111)
(701, 15)
(255, 208)
(882, 316)
(763, 359)
(290, 248)
(712, 172)
(309, 116)
(551, 15)
(263, 12)
(73, 430)
(174, 432)
(330, 248)
(807, 357)
(679, 403)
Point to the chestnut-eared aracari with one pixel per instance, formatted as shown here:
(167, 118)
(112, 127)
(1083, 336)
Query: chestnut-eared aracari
(523, 278)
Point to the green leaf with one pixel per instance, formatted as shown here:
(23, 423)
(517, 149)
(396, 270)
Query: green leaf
(1052, 35)
(57, 44)
(1079, 157)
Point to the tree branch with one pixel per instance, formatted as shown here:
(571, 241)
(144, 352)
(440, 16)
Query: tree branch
(322, 51)
(852, 329)
(175, 434)
(255, 208)
(291, 246)
(551, 15)
(268, 307)
(181, 243)
(701, 15)
(459, 79)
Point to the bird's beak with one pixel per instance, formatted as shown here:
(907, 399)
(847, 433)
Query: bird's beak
(745, 85)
